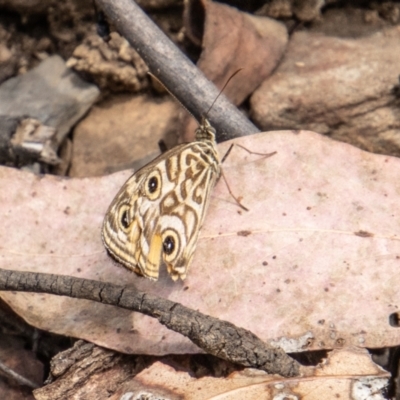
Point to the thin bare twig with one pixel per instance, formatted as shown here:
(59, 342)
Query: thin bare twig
(17, 377)
(216, 337)
(181, 77)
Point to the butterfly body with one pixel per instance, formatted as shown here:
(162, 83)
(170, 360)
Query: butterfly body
(156, 216)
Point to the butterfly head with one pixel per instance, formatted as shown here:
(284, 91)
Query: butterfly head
(205, 132)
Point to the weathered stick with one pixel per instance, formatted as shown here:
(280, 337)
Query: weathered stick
(180, 76)
(219, 338)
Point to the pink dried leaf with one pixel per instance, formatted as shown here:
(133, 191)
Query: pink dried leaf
(316, 268)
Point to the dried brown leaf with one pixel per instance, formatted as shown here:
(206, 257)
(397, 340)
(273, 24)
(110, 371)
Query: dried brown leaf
(303, 277)
(233, 40)
(345, 374)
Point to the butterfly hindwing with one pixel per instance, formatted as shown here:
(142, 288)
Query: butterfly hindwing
(157, 215)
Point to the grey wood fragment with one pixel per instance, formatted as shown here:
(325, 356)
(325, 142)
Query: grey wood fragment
(53, 95)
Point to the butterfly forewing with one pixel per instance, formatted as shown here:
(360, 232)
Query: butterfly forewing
(157, 215)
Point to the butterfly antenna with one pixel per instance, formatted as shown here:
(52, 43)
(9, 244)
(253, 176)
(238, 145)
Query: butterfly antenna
(223, 88)
(212, 105)
(171, 94)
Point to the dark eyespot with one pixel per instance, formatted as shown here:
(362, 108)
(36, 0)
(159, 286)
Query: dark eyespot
(124, 219)
(169, 245)
(153, 184)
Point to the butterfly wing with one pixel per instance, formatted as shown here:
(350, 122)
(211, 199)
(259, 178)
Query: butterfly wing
(194, 172)
(158, 213)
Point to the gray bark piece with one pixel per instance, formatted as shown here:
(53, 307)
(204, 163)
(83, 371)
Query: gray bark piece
(51, 93)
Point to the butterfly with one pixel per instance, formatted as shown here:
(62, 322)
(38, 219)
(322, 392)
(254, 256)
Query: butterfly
(156, 216)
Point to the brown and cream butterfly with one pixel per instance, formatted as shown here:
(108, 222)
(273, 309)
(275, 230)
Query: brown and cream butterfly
(156, 217)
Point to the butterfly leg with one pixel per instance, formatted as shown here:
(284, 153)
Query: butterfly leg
(265, 155)
(162, 146)
(227, 153)
(231, 193)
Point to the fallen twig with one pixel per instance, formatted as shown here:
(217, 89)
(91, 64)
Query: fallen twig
(21, 380)
(214, 336)
(181, 77)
